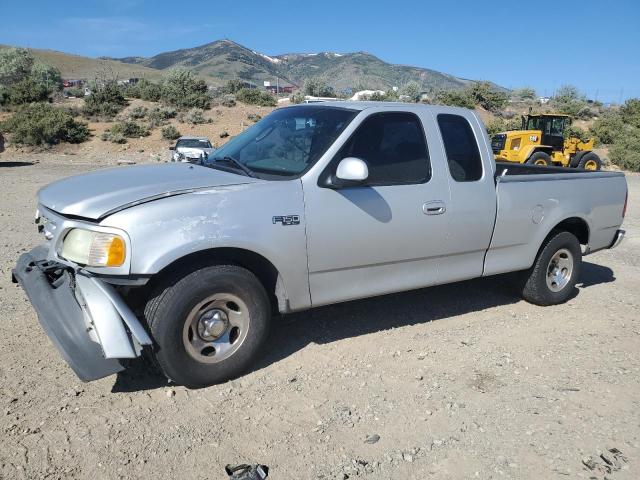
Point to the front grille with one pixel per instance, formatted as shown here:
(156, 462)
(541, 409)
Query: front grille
(497, 142)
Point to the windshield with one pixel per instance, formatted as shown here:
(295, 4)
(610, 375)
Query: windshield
(193, 143)
(288, 141)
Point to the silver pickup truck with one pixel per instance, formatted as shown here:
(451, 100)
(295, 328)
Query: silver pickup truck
(313, 205)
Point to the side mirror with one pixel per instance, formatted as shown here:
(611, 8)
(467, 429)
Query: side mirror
(351, 171)
(172, 148)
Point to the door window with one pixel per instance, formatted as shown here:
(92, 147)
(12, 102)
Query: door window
(463, 156)
(394, 147)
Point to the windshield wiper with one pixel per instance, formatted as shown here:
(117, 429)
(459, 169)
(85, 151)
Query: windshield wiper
(246, 170)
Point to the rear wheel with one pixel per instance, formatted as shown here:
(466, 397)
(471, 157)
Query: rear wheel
(554, 274)
(539, 158)
(590, 161)
(210, 325)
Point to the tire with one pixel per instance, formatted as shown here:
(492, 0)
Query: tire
(575, 160)
(539, 158)
(558, 247)
(195, 353)
(590, 161)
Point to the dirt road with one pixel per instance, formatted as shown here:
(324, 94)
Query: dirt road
(459, 381)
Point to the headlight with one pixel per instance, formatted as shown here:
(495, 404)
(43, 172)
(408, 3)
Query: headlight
(93, 249)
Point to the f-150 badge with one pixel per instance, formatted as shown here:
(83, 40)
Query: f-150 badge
(286, 220)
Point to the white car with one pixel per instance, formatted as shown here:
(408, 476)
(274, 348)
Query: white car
(191, 149)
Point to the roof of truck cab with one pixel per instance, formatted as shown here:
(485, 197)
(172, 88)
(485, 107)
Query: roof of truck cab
(357, 105)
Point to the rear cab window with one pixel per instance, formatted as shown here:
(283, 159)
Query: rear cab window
(461, 148)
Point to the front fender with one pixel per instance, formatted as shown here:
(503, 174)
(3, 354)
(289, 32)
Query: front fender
(238, 216)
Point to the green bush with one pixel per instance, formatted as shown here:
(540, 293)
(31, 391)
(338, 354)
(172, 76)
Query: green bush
(569, 100)
(501, 125)
(296, 97)
(411, 91)
(607, 128)
(254, 117)
(180, 88)
(573, 131)
(454, 98)
(523, 94)
(228, 100)
(123, 130)
(105, 101)
(27, 91)
(159, 115)
(488, 97)
(43, 124)
(253, 96)
(170, 133)
(145, 90)
(75, 92)
(138, 112)
(195, 116)
(317, 87)
(630, 112)
(625, 152)
(232, 86)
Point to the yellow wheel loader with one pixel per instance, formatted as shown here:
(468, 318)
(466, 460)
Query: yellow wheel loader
(542, 142)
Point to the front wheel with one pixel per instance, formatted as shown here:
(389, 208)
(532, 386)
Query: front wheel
(539, 158)
(552, 278)
(209, 325)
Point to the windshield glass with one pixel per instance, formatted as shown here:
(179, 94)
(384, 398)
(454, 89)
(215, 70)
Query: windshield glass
(193, 143)
(288, 141)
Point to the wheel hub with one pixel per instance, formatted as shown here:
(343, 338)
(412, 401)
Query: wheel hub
(559, 270)
(212, 324)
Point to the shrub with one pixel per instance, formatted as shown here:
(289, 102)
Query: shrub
(170, 133)
(317, 87)
(253, 96)
(15, 65)
(568, 100)
(195, 117)
(625, 152)
(630, 112)
(454, 98)
(232, 86)
(224, 134)
(411, 91)
(159, 115)
(145, 90)
(75, 92)
(254, 117)
(138, 112)
(607, 128)
(501, 125)
(296, 97)
(486, 95)
(105, 101)
(228, 100)
(378, 97)
(181, 89)
(573, 131)
(123, 130)
(523, 94)
(41, 123)
(27, 91)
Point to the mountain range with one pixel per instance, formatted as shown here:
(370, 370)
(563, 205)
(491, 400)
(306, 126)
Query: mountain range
(223, 60)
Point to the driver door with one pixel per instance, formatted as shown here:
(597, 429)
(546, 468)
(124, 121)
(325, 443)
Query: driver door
(387, 233)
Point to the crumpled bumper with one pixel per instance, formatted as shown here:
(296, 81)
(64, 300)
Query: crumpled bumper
(84, 317)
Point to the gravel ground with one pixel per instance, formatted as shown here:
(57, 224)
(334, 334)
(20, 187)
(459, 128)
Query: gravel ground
(458, 381)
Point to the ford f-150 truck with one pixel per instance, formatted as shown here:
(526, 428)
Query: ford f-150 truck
(313, 205)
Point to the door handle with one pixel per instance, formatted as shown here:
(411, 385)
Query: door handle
(435, 207)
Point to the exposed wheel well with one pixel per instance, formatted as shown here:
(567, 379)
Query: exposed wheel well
(547, 150)
(577, 226)
(254, 262)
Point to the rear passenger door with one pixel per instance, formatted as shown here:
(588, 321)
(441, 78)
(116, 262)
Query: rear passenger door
(472, 210)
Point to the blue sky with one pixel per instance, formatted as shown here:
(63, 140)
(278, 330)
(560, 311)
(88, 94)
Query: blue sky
(592, 44)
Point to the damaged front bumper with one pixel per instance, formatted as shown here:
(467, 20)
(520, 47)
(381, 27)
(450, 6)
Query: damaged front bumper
(85, 318)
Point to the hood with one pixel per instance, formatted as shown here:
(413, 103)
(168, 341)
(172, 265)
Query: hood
(194, 150)
(96, 194)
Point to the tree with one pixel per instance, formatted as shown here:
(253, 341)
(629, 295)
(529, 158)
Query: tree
(47, 76)
(524, 94)
(454, 98)
(488, 97)
(317, 87)
(182, 89)
(15, 65)
(106, 100)
(412, 90)
(630, 112)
